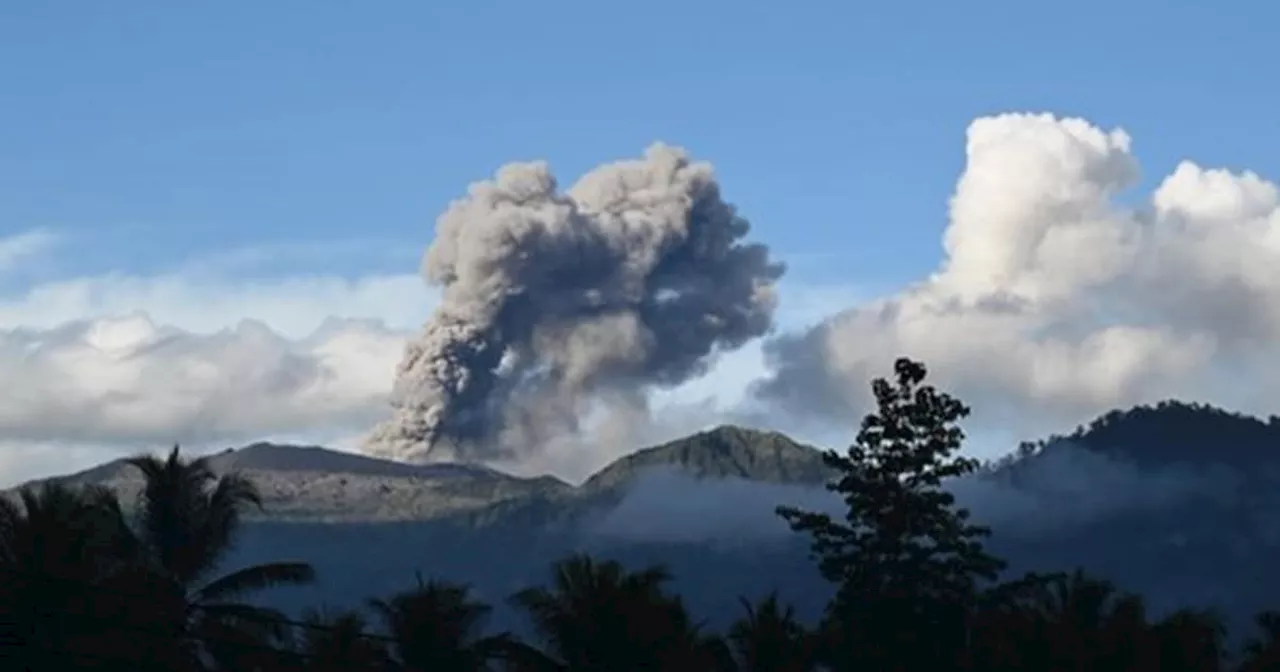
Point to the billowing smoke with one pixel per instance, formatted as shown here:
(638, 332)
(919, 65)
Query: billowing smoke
(555, 305)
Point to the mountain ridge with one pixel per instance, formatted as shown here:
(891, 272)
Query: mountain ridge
(307, 482)
(726, 451)
(1117, 500)
(1164, 434)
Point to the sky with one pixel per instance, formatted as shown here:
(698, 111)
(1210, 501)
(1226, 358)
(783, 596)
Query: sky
(212, 217)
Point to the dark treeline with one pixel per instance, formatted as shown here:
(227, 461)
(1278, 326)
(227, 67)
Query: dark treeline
(83, 585)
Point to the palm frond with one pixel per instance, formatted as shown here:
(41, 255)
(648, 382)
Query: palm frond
(262, 621)
(525, 658)
(171, 506)
(189, 514)
(221, 515)
(342, 639)
(255, 578)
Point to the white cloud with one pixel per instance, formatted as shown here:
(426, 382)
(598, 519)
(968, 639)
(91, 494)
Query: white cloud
(293, 306)
(15, 250)
(1055, 303)
(97, 367)
(126, 381)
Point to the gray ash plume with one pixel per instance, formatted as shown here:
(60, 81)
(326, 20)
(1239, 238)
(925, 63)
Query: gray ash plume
(557, 304)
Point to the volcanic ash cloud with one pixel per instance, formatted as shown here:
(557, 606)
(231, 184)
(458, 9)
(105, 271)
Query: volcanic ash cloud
(557, 304)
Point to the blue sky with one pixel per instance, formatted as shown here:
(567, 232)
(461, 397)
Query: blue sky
(163, 132)
(259, 144)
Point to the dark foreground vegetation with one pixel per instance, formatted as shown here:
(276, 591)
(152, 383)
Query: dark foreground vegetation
(85, 586)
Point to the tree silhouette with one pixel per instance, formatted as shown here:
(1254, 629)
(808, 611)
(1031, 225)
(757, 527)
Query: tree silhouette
(58, 548)
(598, 616)
(769, 638)
(906, 561)
(187, 521)
(1006, 633)
(1188, 640)
(1262, 652)
(1089, 622)
(338, 642)
(437, 627)
(83, 588)
(1069, 622)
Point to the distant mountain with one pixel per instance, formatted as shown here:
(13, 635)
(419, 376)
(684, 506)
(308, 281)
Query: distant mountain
(315, 459)
(262, 456)
(1177, 501)
(724, 452)
(1132, 478)
(1175, 432)
(315, 483)
(1167, 434)
(727, 451)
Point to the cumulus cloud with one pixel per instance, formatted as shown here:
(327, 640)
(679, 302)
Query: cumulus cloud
(129, 381)
(1054, 302)
(101, 365)
(212, 354)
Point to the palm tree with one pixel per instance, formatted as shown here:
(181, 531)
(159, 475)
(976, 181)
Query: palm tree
(1005, 631)
(1263, 652)
(187, 521)
(1188, 640)
(1087, 621)
(58, 547)
(769, 637)
(437, 626)
(598, 616)
(339, 642)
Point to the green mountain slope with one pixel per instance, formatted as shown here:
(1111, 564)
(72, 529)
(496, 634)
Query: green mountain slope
(314, 483)
(1167, 434)
(724, 452)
